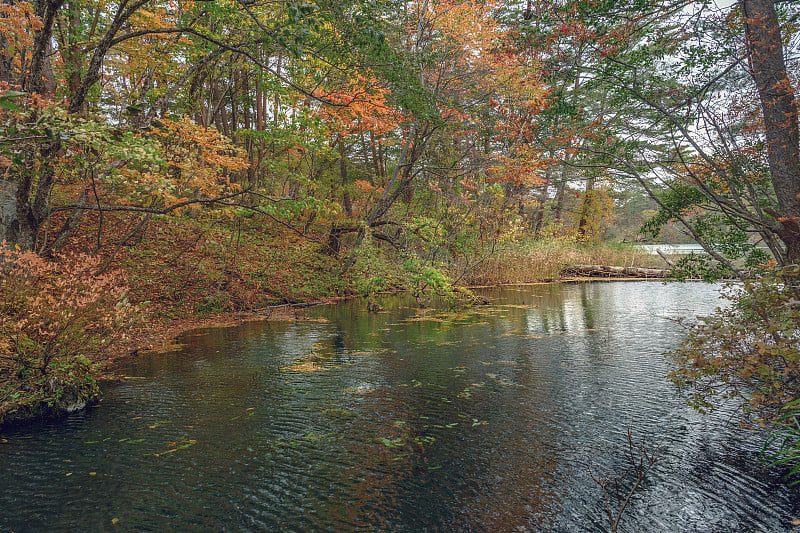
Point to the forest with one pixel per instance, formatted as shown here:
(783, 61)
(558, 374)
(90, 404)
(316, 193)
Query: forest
(166, 162)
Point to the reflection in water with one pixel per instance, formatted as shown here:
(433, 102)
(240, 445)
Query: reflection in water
(490, 419)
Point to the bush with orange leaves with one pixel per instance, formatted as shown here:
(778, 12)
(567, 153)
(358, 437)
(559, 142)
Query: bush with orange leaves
(56, 318)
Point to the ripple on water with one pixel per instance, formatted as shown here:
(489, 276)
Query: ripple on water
(490, 421)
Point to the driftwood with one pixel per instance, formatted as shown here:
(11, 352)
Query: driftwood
(613, 271)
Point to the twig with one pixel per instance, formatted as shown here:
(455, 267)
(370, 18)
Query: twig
(641, 460)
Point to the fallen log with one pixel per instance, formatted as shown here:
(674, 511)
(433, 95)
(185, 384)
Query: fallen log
(613, 271)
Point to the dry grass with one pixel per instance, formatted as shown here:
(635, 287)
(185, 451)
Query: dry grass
(542, 260)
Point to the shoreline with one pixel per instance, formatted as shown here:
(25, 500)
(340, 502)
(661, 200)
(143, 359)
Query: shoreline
(160, 337)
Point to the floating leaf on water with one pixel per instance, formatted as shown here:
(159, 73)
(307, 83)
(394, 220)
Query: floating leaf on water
(491, 376)
(92, 473)
(135, 441)
(392, 443)
(159, 423)
(437, 467)
(68, 474)
(114, 521)
(305, 367)
(178, 445)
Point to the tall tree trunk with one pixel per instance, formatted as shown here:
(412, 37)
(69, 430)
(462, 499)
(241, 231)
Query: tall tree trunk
(346, 202)
(375, 164)
(586, 208)
(538, 216)
(71, 53)
(39, 78)
(779, 108)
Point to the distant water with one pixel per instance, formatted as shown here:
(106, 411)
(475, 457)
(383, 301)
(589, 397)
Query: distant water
(673, 249)
(490, 419)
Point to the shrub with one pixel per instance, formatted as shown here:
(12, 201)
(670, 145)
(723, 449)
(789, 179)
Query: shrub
(56, 313)
(749, 350)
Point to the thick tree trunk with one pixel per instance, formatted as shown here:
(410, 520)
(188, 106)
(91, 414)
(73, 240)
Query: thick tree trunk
(537, 220)
(779, 108)
(32, 195)
(9, 225)
(40, 76)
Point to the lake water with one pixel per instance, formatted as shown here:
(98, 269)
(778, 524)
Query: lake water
(672, 249)
(491, 419)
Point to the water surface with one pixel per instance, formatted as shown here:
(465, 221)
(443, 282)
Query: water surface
(491, 419)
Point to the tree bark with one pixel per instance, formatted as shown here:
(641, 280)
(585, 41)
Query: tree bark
(779, 108)
(40, 64)
(346, 201)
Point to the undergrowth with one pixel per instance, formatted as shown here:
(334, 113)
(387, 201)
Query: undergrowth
(531, 261)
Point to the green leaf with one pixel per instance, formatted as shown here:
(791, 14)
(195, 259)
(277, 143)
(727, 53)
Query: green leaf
(6, 104)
